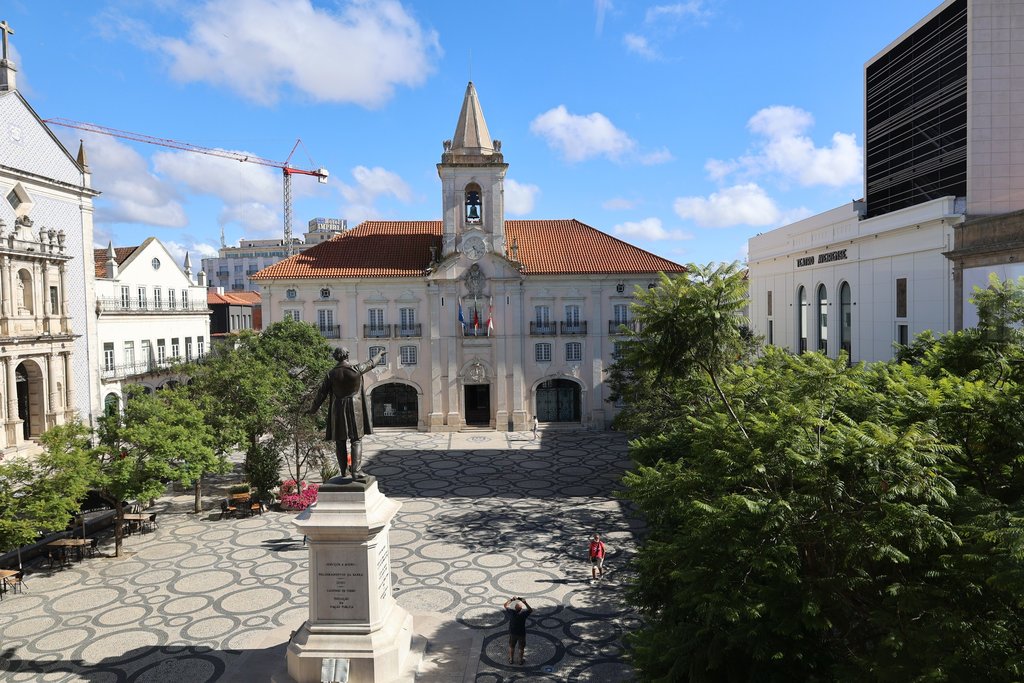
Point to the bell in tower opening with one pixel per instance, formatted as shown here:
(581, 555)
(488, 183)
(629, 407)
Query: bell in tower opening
(473, 208)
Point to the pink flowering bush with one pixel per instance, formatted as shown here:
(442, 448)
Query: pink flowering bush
(298, 496)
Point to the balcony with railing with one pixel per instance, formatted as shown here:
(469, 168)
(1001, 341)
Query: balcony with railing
(223, 273)
(376, 331)
(111, 372)
(543, 329)
(573, 328)
(414, 330)
(615, 326)
(115, 305)
(478, 331)
(330, 331)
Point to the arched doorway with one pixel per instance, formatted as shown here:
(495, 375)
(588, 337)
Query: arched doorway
(29, 381)
(112, 405)
(559, 400)
(394, 405)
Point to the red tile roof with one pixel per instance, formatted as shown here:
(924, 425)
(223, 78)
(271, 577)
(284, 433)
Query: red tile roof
(402, 249)
(233, 298)
(100, 256)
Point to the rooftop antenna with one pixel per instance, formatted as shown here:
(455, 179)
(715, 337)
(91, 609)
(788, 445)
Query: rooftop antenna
(470, 64)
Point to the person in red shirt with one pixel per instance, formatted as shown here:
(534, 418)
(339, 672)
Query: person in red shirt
(596, 557)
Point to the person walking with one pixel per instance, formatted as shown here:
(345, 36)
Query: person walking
(517, 627)
(535, 425)
(597, 552)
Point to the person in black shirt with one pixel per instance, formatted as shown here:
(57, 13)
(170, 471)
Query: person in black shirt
(517, 627)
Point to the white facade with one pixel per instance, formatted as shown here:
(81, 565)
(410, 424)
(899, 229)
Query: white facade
(149, 314)
(557, 293)
(884, 280)
(47, 343)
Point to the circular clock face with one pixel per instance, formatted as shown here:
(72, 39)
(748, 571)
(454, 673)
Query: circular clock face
(474, 247)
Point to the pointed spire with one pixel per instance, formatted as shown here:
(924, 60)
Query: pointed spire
(188, 267)
(111, 263)
(82, 160)
(471, 134)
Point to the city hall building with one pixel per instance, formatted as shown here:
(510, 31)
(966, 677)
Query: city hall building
(943, 199)
(486, 322)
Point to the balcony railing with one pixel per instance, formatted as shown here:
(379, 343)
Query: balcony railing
(223, 273)
(615, 326)
(376, 331)
(114, 305)
(572, 328)
(480, 331)
(331, 331)
(142, 367)
(543, 329)
(414, 330)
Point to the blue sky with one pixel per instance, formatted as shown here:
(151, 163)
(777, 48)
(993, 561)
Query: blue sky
(682, 127)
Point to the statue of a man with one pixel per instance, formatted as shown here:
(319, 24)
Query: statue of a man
(347, 417)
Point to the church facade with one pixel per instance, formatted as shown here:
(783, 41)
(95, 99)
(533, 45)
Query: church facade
(45, 245)
(485, 321)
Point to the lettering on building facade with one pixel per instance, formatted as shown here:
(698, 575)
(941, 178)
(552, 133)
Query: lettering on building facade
(827, 257)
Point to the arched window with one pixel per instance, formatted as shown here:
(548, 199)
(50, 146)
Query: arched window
(474, 203)
(845, 321)
(801, 318)
(822, 319)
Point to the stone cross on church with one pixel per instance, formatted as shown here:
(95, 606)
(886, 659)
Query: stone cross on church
(5, 29)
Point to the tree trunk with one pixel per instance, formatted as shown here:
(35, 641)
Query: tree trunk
(118, 527)
(199, 495)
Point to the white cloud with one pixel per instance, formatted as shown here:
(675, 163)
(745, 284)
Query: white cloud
(649, 229)
(638, 44)
(601, 7)
(658, 156)
(230, 180)
(370, 185)
(198, 251)
(581, 137)
(253, 217)
(785, 149)
(519, 197)
(619, 204)
(693, 9)
(738, 205)
(258, 48)
(131, 193)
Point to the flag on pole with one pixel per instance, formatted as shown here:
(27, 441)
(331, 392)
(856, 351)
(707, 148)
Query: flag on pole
(476, 319)
(462, 321)
(490, 316)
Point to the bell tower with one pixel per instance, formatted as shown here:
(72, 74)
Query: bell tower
(472, 172)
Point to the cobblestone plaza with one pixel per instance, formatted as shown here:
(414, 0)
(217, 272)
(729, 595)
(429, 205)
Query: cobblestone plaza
(484, 516)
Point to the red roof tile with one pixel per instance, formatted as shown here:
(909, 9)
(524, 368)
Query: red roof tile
(100, 256)
(402, 249)
(233, 298)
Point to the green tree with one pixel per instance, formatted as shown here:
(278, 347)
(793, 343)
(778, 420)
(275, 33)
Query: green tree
(160, 437)
(690, 328)
(258, 380)
(869, 526)
(43, 493)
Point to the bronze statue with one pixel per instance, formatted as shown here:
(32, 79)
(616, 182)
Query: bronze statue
(347, 416)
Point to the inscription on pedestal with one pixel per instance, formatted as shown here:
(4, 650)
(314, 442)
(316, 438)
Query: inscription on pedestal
(341, 586)
(384, 569)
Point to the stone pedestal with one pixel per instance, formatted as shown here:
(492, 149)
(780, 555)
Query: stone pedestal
(352, 613)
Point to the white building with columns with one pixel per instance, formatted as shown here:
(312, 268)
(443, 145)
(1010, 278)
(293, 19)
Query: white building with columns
(46, 233)
(486, 322)
(150, 315)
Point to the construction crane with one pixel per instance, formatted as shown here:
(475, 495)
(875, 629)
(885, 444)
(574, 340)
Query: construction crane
(286, 169)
